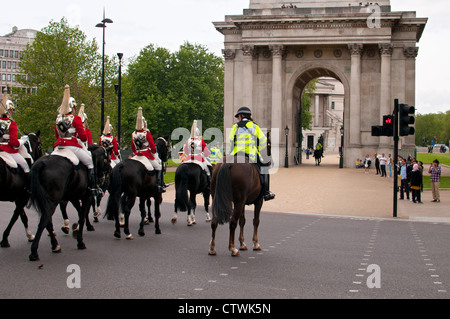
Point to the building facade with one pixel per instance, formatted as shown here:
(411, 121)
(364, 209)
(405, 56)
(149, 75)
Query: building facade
(271, 52)
(11, 48)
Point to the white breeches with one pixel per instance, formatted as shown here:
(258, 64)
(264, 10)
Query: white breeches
(21, 161)
(156, 163)
(83, 155)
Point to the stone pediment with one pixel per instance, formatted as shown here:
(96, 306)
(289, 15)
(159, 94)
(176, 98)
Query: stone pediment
(269, 4)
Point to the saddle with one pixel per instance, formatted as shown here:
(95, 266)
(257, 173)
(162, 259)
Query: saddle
(9, 160)
(67, 154)
(144, 161)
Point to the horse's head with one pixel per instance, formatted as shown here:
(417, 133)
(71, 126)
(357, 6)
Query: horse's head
(36, 145)
(163, 146)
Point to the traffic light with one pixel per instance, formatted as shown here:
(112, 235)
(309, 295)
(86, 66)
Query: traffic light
(387, 129)
(406, 118)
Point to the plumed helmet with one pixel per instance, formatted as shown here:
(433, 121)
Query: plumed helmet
(194, 130)
(7, 104)
(139, 120)
(81, 114)
(108, 126)
(66, 105)
(244, 110)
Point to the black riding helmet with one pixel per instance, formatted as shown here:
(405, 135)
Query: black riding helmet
(243, 110)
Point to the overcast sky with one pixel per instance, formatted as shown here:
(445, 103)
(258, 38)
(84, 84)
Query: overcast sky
(170, 23)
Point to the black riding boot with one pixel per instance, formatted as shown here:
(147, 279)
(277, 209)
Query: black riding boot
(92, 183)
(267, 194)
(160, 182)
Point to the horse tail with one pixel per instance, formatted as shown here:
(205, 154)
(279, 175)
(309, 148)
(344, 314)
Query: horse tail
(115, 190)
(181, 189)
(222, 203)
(39, 196)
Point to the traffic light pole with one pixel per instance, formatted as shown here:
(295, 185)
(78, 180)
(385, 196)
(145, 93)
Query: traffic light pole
(396, 139)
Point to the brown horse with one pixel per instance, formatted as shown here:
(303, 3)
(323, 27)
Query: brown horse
(238, 185)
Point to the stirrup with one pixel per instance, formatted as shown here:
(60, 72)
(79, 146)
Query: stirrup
(269, 196)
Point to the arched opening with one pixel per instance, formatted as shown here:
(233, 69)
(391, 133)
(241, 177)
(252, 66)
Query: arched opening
(327, 112)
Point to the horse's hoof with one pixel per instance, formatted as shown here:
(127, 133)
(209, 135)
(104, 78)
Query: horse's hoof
(90, 228)
(31, 239)
(95, 220)
(81, 246)
(141, 233)
(65, 229)
(75, 230)
(129, 237)
(174, 220)
(212, 252)
(243, 248)
(235, 252)
(34, 257)
(117, 234)
(4, 244)
(56, 250)
(158, 231)
(257, 248)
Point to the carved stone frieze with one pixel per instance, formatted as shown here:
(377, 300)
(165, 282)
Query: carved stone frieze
(229, 54)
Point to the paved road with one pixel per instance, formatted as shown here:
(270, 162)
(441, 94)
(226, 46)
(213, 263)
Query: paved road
(304, 256)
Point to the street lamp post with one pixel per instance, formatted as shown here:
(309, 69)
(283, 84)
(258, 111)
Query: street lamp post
(341, 149)
(286, 159)
(103, 26)
(119, 105)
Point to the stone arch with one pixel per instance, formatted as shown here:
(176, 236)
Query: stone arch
(299, 79)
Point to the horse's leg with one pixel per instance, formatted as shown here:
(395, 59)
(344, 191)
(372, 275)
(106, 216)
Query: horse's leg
(258, 206)
(233, 224)
(143, 216)
(43, 222)
(96, 201)
(157, 213)
(65, 227)
(242, 245)
(24, 218)
(149, 209)
(4, 243)
(127, 210)
(55, 246)
(82, 216)
(192, 207)
(117, 218)
(175, 215)
(206, 195)
(212, 244)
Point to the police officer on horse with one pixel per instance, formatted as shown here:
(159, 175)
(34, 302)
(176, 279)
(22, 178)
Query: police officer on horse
(247, 138)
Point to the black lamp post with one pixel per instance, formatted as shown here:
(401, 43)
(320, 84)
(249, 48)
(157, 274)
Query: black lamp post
(103, 26)
(286, 159)
(341, 149)
(119, 105)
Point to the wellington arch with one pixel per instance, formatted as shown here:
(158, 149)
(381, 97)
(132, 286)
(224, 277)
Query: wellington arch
(272, 51)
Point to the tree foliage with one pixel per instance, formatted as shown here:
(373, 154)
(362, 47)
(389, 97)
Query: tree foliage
(429, 126)
(61, 55)
(174, 89)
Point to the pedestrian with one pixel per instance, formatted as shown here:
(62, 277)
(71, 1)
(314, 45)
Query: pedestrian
(416, 183)
(389, 164)
(435, 171)
(383, 161)
(377, 163)
(404, 188)
(367, 162)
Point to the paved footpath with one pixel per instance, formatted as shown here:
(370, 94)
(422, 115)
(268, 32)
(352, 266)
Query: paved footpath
(328, 190)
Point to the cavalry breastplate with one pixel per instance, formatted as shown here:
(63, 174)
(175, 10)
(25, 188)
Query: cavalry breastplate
(107, 141)
(195, 146)
(140, 141)
(4, 131)
(64, 126)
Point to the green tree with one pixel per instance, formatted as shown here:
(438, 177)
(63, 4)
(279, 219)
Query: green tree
(430, 125)
(307, 96)
(61, 55)
(174, 89)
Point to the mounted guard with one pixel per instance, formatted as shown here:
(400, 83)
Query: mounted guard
(84, 119)
(71, 135)
(10, 145)
(197, 152)
(144, 149)
(109, 142)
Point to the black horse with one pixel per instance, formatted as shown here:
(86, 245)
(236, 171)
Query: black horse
(190, 177)
(55, 179)
(12, 186)
(102, 162)
(130, 180)
(318, 154)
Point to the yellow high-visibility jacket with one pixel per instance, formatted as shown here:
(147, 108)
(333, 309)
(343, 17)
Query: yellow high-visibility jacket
(246, 137)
